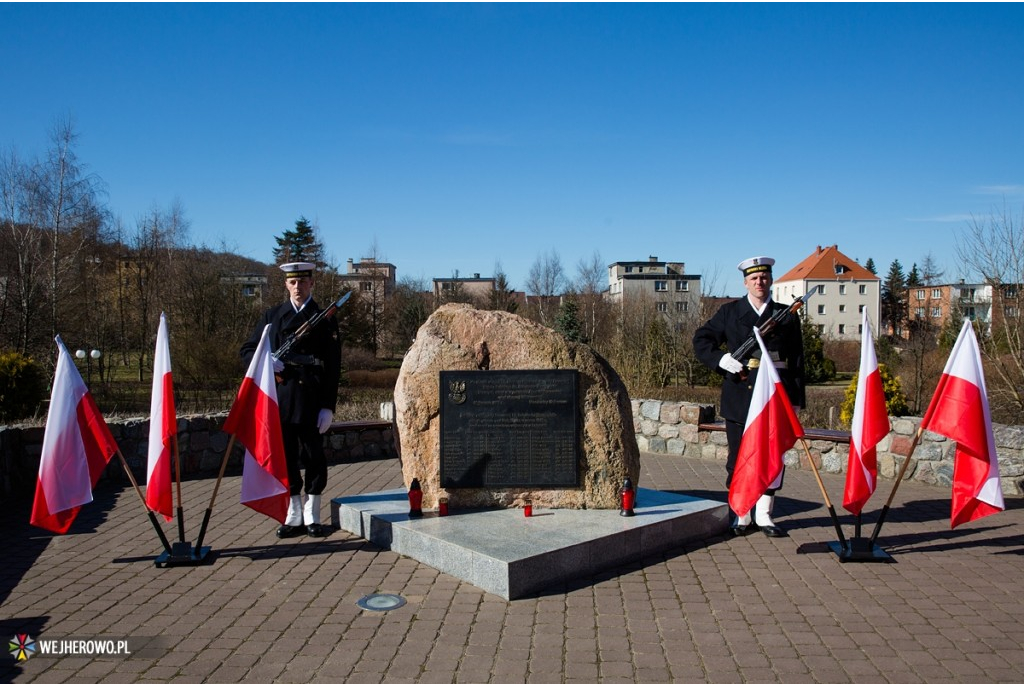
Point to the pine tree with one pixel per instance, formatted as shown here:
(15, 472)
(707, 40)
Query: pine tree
(817, 367)
(300, 244)
(870, 266)
(894, 299)
(568, 322)
(914, 278)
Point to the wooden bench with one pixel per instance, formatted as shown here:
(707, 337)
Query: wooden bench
(841, 437)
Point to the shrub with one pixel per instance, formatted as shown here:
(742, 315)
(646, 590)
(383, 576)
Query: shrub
(895, 400)
(22, 386)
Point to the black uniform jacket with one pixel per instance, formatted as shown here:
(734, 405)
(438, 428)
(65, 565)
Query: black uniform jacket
(732, 324)
(303, 389)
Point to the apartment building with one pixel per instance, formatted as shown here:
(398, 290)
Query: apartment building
(370, 276)
(845, 290)
(666, 284)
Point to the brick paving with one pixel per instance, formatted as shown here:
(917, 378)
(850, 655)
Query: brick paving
(751, 609)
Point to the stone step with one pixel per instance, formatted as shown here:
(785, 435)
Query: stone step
(510, 555)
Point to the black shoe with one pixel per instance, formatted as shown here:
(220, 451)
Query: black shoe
(773, 531)
(287, 531)
(315, 530)
(739, 530)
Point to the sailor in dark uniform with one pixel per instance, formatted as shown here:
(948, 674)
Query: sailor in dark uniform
(307, 394)
(731, 326)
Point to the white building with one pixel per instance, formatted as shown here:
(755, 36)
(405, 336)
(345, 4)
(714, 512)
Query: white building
(666, 284)
(845, 289)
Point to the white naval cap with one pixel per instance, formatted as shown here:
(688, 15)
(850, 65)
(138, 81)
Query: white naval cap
(755, 265)
(298, 269)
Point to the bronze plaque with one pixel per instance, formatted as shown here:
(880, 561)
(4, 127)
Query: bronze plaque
(509, 429)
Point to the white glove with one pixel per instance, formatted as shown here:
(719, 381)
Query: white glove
(278, 365)
(730, 364)
(324, 421)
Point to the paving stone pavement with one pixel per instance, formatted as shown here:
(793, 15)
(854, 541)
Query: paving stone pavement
(750, 609)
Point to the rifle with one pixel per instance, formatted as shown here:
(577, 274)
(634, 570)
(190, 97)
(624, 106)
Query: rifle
(743, 351)
(305, 328)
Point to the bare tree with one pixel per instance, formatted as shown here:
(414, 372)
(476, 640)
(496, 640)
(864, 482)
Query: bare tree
(931, 274)
(993, 246)
(545, 280)
(65, 205)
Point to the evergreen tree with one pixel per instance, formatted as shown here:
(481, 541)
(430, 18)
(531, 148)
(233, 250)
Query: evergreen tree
(568, 322)
(894, 299)
(817, 367)
(300, 244)
(914, 278)
(870, 266)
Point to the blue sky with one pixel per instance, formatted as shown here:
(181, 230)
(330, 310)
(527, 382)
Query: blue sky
(458, 136)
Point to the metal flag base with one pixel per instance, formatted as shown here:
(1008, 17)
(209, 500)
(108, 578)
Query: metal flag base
(860, 549)
(182, 554)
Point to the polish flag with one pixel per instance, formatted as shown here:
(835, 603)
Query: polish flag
(255, 422)
(870, 425)
(163, 428)
(771, 429)
(959, 410)
(77, 445)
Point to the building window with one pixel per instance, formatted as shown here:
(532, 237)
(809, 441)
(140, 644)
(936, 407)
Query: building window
(663, 306)
(918, 312)
(860, 309)
(682, 306)
(629, 269)
(936, 292)
(821, 309)
(970, 313)
(661, 286)
(1011, 312)
(860, 329)
(821, 290)
(821, 329)
(842, 329)
(920, 294)
(862, 289)
(367, 286)
(842, 309)
(842, 289)
(249, 290)
(682, 286)
(936, 312)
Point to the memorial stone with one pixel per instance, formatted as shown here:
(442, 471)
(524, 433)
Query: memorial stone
(458, 338)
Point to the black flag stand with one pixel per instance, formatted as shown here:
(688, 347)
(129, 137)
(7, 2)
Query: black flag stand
(864, 549)
(181, 553)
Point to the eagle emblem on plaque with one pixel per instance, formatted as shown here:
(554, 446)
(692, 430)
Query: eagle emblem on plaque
(457, 391)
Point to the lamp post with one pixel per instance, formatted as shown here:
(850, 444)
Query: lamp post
(88, 357)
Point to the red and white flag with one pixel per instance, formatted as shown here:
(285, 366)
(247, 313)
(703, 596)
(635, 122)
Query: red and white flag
(163, 428)
(255, 422)
(959, 410)
(870, 424)
(771, 429)
(77, 445)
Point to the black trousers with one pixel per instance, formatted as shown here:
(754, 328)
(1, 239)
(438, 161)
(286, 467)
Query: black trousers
(734, 434)
(304, 448)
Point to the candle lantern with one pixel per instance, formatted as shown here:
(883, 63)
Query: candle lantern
(415, 498)
(628, 499)
(442, 506)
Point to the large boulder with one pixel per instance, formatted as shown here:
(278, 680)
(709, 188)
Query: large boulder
(461, 338)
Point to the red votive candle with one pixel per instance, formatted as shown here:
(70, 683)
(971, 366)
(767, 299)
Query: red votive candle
(442, 506)
(528, 508)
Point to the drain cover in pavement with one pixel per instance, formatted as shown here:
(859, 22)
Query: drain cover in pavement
(381, 602)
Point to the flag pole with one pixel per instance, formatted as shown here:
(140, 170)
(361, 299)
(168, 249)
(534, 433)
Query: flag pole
(213, 497)
(896, 484)
(177, 482)
(828, 502)
(152, 516)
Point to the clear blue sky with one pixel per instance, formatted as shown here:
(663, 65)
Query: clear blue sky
(457, 136)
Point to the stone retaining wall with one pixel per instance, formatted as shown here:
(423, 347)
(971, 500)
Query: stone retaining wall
(201, 445)
(673, 428)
